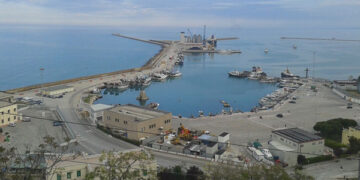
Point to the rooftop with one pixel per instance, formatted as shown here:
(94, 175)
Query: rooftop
(223, 134)
(100, 107)
(55, 88)
(297, 135)
(206, 137)
(4, 104)
(4, 95)
(139, 113)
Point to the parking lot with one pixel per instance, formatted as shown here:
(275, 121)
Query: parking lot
(30, 134)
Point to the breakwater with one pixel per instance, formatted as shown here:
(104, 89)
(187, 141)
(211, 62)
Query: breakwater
(148, 65)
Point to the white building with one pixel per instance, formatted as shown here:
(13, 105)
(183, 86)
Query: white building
(288, 143)
(97, 112)
(182, 37)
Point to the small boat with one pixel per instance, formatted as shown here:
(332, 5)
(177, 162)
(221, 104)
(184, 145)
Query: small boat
(159, 76)
(146, 81)
(294, 46)
(266, 50)
(175, 74)
(122, 86)
(153, 105)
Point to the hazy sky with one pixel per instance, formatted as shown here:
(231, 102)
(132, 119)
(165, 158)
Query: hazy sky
(180, 13)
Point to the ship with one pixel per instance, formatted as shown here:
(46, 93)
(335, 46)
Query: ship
(287, 74)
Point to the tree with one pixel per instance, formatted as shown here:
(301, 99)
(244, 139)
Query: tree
(332, 129)
(174, 173)
(354, 145)
(301, 159)
(37, 164)
(121, 166)
(194, 173)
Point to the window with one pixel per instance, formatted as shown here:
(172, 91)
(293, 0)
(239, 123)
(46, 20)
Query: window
(9, 111)
(9, 119)
(108, 117)
(294, 144)
(78, 173)
(125, 122)
(302, 145)
(68, 175)
(152, 126)
(117, 120)
(2, 121)
(58, 177)
(281, 139)
(320, 142)
(14, 109)
(2, 113)
(167, 121)
(14, 117)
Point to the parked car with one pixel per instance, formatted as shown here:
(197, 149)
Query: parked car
(12, 124)
(292, 102)
(280, 115)
(349, 106)
(27, 119)
(58, 123)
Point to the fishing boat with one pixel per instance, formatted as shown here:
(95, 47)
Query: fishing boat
(153, 105)
(287, 74)
(159, 76)
(175, 74)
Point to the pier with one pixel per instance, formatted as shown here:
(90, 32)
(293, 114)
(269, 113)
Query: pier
(320, 39)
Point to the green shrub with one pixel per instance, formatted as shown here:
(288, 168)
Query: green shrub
(319, 159)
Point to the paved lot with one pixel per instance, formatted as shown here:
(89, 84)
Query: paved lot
(340, 169)
(30, 134)
(309, 108)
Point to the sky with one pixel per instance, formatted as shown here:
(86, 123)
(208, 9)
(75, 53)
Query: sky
(180, 13)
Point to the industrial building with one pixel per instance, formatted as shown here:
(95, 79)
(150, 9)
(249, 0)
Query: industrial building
(287, 144)
(57, 90)
(351, 132)
(346, 84)
(97, 112)
(131, 120)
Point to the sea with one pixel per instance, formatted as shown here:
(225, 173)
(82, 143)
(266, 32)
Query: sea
(67, 52)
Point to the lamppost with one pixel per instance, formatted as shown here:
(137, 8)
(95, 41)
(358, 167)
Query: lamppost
(42, 81)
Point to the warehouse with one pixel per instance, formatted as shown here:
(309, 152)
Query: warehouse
(57, 90)
(288, 143)
(131, 120)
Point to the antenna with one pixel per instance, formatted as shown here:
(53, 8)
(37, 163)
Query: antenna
(313, 73)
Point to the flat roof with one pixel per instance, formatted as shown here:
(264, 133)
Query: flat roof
(55, 88)
(4, 104)
(100, 107)
(223, 134)
(297, 135)
(139, 113)
(5, 95)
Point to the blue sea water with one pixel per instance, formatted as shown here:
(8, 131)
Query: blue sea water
(68, 52)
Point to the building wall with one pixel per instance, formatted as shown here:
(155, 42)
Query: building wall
(63, 170)
(347, 133)
(287, 157)
(57, 92)
(313, 147)
(6, 118)
(122, 121)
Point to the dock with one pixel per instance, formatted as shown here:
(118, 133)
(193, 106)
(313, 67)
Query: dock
(320, 39)
(212, 51)
(142, 40)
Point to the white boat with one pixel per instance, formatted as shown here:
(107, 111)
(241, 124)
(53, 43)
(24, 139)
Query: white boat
(175, 74)
(122, 86)
(146, 81)
(266, 50)
(153, 105)
(159, 76)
